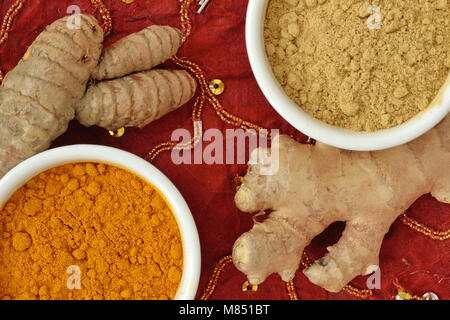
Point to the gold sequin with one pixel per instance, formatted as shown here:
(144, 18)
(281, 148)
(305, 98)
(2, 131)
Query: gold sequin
(26, 55)
(117, 133)
(217, 87)
(246, 286)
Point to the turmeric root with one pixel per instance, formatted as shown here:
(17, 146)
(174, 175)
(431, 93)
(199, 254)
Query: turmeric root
(139, 51)
(37, 97)
(135, 100)
(47, 89)
(139, 98)
(318, 185)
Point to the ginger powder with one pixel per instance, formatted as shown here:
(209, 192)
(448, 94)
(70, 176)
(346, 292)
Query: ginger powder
(360, 65)
(88, 231)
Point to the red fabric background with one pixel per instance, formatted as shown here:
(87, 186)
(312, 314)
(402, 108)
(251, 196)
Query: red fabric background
(217, 44)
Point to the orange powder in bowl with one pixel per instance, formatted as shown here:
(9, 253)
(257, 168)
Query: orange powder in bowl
(89, 231)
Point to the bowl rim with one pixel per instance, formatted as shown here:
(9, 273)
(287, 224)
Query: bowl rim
(316, 129)
(43, 161)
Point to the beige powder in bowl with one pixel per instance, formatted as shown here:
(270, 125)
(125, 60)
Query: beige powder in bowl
(360, 65)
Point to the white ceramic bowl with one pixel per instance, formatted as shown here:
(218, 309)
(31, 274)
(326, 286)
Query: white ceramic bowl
(25, 171)
(302, 121)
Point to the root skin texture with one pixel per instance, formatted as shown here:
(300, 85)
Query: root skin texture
(50, 85)
(135, 100)
(318, 185)
(139, 51)
(37, 97)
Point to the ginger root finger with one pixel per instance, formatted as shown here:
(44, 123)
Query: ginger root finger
(139, 51)
(316, 186)
(356, 253)
(273, 246)
(37, 97)
(135, 100)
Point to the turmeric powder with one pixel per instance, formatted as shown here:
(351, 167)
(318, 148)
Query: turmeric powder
(106, 222)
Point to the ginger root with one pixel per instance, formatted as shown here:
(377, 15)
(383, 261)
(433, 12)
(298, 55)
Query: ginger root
(47, 89)
(318, 185)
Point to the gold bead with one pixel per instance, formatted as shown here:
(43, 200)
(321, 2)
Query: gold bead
(217, 87)
(117, 133)
(26, 55)
(246, 286)
(310, 141)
